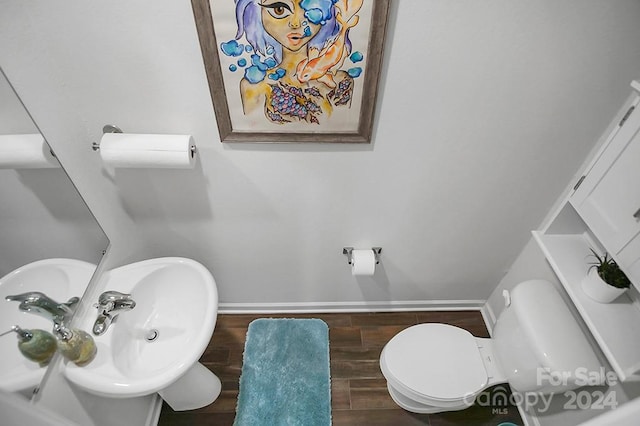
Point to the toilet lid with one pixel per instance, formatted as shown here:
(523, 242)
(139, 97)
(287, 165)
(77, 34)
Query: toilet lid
(435, 361)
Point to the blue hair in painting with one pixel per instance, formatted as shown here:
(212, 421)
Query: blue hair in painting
(249, 21)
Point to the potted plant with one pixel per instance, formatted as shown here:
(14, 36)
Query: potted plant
(605, 281)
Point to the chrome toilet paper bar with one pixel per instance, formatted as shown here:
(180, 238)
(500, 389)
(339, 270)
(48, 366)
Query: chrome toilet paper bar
(349, 252)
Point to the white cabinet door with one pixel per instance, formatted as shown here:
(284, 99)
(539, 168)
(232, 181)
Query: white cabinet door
(629, 259)
(608, 199)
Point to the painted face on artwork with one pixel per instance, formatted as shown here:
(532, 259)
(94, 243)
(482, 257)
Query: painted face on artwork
(285, 21)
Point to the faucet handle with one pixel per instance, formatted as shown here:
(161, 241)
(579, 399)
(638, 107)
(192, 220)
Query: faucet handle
(114, 300)
(40, 304)
(112, 296)
(31, 296)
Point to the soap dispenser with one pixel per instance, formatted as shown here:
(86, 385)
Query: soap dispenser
(76, 345)
(36, 345)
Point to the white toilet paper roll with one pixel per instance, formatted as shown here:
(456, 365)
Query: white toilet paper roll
(26, 152)
(363, 262)
(147, 151)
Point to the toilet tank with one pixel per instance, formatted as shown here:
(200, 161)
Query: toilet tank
(539, 345)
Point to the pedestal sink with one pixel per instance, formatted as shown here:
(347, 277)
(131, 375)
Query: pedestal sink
(155, 347)
(60, 279)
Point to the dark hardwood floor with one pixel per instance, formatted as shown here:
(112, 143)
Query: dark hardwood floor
(359, 394)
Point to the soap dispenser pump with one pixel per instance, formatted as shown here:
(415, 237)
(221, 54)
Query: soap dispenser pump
(36, 345)
(76, 345)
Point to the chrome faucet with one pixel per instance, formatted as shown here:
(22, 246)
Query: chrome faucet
(39, 303)
(110, 304)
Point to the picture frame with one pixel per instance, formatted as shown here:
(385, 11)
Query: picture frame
(293, 70)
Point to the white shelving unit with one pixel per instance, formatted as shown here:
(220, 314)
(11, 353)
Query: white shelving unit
(615, 326)
(599, 215)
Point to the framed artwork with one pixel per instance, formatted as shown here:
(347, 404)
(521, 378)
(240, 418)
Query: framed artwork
(292, 70)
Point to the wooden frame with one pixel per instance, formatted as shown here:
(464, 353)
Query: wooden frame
(328, 102)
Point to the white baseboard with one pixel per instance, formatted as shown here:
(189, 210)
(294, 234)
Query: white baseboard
(339, 307)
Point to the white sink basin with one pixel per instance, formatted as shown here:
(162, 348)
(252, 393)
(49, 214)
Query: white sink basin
(177, 300)
(60, 279)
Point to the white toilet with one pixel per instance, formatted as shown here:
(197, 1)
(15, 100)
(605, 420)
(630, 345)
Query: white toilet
(438, 367)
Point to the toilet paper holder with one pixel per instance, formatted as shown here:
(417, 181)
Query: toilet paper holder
(349, 252)
(110, 128)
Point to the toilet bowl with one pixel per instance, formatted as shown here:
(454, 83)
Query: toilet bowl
(434, 367)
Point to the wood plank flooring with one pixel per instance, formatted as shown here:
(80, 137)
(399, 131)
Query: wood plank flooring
(359, 393)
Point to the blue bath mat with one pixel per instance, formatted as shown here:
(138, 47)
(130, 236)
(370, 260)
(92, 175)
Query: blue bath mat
(285, 374)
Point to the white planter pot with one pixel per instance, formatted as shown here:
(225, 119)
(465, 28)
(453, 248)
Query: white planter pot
(599, 290)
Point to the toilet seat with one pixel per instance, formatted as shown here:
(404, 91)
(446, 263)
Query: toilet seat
(416, 407)
(435, 364)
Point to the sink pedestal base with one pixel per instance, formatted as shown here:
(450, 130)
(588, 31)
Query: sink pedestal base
(197, 388)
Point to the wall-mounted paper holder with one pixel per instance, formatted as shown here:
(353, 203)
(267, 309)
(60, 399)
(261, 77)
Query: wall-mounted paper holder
(110, 128)
(349, 252)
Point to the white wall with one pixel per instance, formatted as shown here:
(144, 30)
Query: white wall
(486, 109)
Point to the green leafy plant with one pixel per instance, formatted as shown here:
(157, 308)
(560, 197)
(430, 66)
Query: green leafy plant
(609, 271)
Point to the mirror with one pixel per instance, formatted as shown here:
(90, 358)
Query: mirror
(43, 222)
